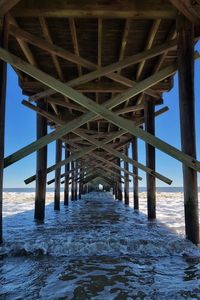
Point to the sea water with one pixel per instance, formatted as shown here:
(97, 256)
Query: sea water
(97, 248)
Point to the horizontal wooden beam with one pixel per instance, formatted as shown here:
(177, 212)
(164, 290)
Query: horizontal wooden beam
(102, 110)
(34, 87)
(96, 9)
(79, 121)
(105, 71)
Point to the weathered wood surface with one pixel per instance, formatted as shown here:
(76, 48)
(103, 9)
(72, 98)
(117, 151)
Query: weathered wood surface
(185, 31)
(66, 174)
(95, 9)
(135, 171)
(101, 110)
(126, 181)
(57, 175)
(150, 159)
(41, 173)
(189, 9)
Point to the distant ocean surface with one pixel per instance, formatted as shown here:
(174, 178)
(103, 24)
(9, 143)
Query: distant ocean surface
(177, 189)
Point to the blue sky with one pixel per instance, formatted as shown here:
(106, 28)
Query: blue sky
(20, 131)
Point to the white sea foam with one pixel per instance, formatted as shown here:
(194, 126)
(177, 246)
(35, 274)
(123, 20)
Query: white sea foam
(96, 248)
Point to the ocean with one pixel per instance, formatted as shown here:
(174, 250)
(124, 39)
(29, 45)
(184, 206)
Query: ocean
(97, 248)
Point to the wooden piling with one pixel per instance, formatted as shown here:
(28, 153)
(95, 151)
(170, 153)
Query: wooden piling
(66, 187)
(57, 175)
(119, 185)
(135, 171)
(3, 76)
(185, 54)
(149, 110)
(73, 183)
(126, 183)
(80, 184)
(41, 167)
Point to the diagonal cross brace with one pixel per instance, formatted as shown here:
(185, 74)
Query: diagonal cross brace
(116, 153)
(102, 110)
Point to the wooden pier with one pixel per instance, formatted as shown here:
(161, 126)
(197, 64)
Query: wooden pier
(95, 72)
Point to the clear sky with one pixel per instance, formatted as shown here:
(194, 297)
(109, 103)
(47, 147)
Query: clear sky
(21, 130)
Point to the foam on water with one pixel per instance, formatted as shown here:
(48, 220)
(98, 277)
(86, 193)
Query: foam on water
(97, 248)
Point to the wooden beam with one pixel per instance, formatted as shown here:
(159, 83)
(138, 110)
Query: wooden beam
(135, 171)
(47, 36)
(7, 5)
(74, 156)
(149, 44)
(126, 181)
(95, 9)
(188, 10)
(185, 34)
(66, 188)
(150, 159)
(104, 71)
(119, 185)
(57, 175)
(72, 26)
(41, 173)
(102, 145)
(102, 110)
(23, 45)
(3, 81)
(116, 153)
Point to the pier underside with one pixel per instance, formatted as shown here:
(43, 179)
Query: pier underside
(95, 73)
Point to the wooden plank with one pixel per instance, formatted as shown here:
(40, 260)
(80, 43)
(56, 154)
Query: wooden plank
(135, 171)
(149, 44)
(102, 110)
(188, 10)
(23, 45)
(7, 5)
(72, 26)
(185, 30)
(150, 159)
(96, 9)
(57, 175)
(41, 173)
(3, 75)
(104, 71)
(126, 181)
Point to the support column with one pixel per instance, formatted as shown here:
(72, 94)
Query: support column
(41, 165)
(126, 180)
(3, 75)
(73, 186)
(75, 182)
(135, 171)
(119, 185)
(185, 42)
(80, 184)
(149, 110)
(57, 175)
(66, 187)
